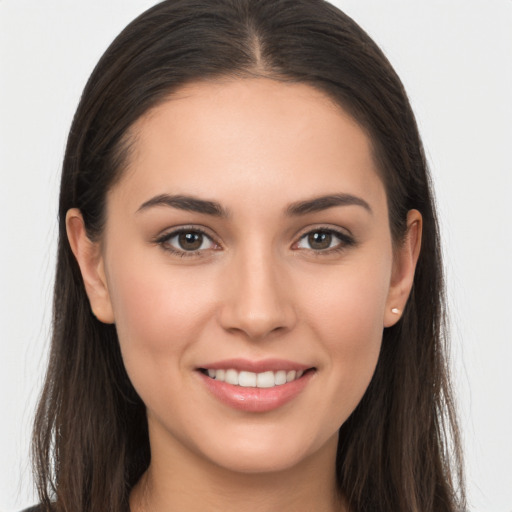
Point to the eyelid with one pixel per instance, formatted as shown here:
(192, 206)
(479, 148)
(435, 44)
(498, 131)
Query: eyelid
(343, 231)
(344, 236)
(170, 233)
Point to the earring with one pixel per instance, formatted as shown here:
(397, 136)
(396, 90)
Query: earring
(395, 311)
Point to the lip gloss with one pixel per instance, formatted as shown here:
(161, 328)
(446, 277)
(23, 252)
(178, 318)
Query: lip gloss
(254, 399)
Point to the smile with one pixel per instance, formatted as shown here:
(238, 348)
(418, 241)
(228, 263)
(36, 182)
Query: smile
(246, 379)
(255, 386)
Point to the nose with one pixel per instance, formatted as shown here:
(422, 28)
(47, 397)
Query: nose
(257, 299)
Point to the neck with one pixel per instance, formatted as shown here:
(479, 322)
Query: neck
(174, 483)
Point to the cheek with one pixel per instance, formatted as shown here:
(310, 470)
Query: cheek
(349, 305)
(347, 317)
(158, 312)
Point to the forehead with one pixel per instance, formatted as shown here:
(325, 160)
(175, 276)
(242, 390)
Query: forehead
(256, 138)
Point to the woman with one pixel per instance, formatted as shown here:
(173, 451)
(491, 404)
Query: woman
(248, 306)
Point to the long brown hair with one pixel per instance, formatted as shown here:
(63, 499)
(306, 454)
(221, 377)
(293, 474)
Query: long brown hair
(399, 450)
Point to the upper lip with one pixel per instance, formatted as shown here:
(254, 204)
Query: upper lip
(263, 365)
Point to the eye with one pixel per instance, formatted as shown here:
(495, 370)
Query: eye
(187, 242)
(324, 240)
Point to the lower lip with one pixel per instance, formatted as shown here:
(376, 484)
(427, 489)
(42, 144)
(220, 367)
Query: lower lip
(256, 399)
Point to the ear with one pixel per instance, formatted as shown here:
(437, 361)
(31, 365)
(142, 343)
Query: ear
(90, 260)
(405, 258)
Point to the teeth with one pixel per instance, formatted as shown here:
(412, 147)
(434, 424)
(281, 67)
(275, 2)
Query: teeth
(280, 377)
(247, 379)
(265, 380)
(251, 380)
(232, 377)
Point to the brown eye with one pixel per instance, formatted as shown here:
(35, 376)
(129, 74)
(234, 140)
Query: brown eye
(187, 242)
(325, 241)
(319, 240)
(190, 241)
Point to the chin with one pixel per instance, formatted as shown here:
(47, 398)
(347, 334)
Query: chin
(260, 453)
(268, 461)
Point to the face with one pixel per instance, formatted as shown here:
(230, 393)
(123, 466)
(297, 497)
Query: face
(248, 267)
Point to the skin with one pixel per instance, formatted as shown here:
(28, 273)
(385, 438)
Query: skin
(257, 289)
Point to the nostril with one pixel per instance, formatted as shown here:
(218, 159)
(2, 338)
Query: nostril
(256, 307)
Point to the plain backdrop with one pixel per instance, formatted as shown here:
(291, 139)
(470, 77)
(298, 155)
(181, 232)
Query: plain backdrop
(455, 59)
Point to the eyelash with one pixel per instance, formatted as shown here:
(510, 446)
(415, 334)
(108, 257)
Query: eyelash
(345, 241)
(163, 241)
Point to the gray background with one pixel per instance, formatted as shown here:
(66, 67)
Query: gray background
(455, 58)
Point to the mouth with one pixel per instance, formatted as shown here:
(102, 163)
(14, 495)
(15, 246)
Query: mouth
(247, 379)
(256, 387)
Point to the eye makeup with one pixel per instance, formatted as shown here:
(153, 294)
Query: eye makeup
(187, 241)
(323, 241)
(193, 241)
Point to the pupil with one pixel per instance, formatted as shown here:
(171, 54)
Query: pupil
(320, 240)
(190, 241)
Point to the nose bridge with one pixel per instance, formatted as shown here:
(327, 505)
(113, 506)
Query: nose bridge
(256, 300)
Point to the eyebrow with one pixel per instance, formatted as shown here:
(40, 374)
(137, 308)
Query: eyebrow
(187, 203)
(318, 204)
(194, 204)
